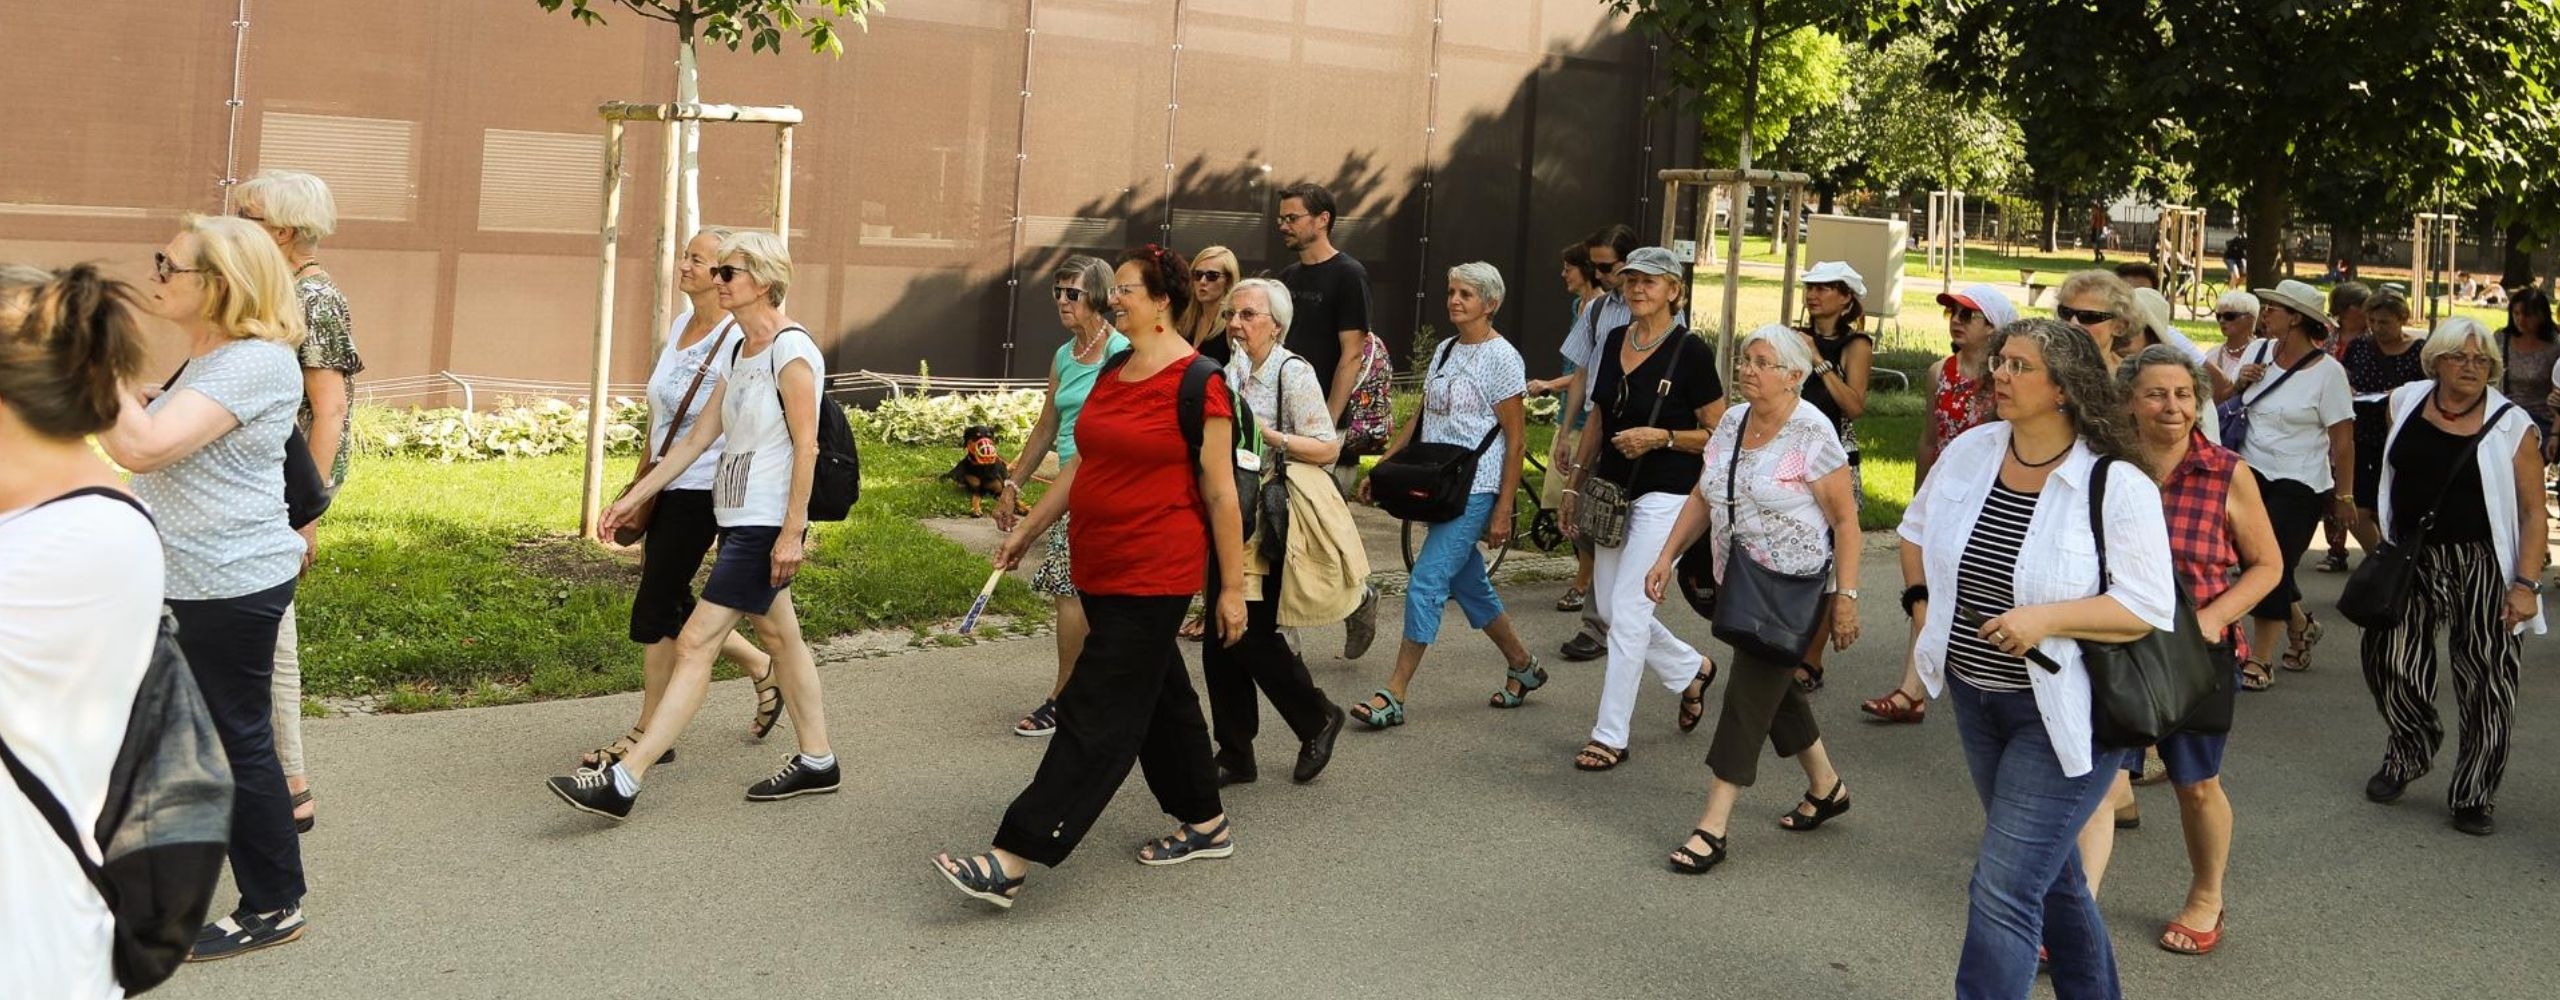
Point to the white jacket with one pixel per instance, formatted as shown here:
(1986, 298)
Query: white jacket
(2058, 562)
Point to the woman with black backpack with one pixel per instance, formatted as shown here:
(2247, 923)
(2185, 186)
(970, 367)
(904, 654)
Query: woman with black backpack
(81, 578)
(766, 413)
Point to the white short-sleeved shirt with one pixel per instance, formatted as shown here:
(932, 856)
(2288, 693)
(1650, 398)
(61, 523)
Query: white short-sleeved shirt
(675, 371)
(2289, 425)
(1459, 394)
(752, 484)
(1780, 523)
(221, 509)
(80, 592)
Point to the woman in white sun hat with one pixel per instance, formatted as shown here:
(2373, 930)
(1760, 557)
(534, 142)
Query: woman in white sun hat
(2300, 441)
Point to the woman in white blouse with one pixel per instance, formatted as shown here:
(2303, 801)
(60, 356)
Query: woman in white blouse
(1788, 506)
(2302, 446)
(2000, 536)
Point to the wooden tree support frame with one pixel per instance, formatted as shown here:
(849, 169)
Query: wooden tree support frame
(1790, 188)
(617, 115)
(2434, 244)
(1946, 236)
(2177, 243)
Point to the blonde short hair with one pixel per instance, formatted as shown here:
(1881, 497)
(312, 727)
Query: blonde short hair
(248, 289)
(292, 200)
(766, 258)
(2450, 335)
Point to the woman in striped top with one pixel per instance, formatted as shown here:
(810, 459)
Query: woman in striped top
(2001, 529)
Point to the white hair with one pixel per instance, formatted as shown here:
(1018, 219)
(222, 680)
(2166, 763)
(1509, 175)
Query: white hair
(1275, 295)
(292, 200)
(1794, 354)
(1482, 277)
(2451, 335)
(2236, 300)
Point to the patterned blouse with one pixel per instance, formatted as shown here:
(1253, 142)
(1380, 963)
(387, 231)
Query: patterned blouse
(1961, 402)
(2196, 500)
(329, 345)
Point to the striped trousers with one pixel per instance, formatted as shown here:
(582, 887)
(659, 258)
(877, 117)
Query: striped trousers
(2459, 590)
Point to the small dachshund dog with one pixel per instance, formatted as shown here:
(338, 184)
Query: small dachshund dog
(981, 471)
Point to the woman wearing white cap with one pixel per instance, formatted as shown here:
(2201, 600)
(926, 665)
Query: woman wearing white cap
(1959, 399)
(1838, 386)
(2300, 442)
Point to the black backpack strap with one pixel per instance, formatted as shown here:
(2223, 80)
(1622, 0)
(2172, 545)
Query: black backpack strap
(57, 817)
(2098, 515)
(110, 493)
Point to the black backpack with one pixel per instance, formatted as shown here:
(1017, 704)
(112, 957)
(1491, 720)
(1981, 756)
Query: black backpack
(837, 484)
(167, 821)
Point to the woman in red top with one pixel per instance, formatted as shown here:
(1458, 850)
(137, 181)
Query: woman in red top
(1142, 529)
(2216, 524)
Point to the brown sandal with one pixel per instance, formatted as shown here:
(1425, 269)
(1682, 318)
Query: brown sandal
(768, 702)
(612, 753)
(1598, 756)
(2254, 676)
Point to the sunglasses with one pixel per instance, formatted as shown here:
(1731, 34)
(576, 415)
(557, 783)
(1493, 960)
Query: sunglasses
(1065, 293)
(1206, 276)
(1604, 268)
(1961, 314)
(2083, 317)
(2231, 317)
(162, 268)
(726, 273)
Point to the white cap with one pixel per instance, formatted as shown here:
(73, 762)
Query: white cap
(1835, 272)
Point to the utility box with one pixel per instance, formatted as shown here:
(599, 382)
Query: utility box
(1871, 246)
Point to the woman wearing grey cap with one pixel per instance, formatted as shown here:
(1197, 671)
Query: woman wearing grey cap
(1655, 398)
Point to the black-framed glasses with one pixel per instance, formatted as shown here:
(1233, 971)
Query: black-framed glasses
(1209, 276)
(1291, 218)
(1066, 293)
(2083, 317)
(727, 272)
(1248, 315)
(2231, 317)
(162, 268)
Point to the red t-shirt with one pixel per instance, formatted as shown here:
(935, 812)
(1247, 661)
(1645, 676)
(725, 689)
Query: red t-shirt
(1136, 522)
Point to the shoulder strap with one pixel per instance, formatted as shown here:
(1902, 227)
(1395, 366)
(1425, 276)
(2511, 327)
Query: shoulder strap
(2307, 361)
(109, 493)
(1191, 408)
(57, 817)
(2098, 515)
(696, 386)
(1679, 339)
(1422, 415)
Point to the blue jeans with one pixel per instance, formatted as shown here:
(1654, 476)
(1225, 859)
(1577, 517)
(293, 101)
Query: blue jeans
(1450, 565)
(2028, 887)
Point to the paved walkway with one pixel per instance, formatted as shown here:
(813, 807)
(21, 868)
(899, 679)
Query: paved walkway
(1458, 856)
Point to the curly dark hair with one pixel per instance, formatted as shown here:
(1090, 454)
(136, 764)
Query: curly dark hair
(1164, 272)
(2091, 399)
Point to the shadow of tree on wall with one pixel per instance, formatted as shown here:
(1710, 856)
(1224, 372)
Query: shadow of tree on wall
(1508, 186)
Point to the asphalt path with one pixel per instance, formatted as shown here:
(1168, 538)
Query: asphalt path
(1457, 856)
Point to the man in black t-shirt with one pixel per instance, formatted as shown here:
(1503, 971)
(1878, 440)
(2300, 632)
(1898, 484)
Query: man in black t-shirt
(1330, 290)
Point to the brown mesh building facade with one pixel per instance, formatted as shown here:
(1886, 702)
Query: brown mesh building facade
(955, 153)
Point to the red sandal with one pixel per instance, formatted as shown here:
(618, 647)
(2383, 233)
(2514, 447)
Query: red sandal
(1896, 706)
(2203, 942)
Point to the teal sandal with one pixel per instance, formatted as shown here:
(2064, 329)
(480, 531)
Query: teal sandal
(1380, 718)
(1530, 678)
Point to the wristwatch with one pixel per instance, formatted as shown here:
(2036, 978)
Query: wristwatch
(1848, 592)
(2530, 586)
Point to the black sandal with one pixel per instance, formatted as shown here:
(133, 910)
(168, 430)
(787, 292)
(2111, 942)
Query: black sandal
(1808, 678)
(1598, 756)
(981, 877)
(1688, 862)
(1824, 809)
(1693, 710)
(768, 702)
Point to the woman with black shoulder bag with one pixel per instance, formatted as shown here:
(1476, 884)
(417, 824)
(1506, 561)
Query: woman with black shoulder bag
(1655, 396)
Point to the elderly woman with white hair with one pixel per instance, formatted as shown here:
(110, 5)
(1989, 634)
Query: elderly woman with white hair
(1655, 400)
(2236, 312)
(1782, 513)
(2461, 491)
(1288, 407)
(1474, 386)
(764, 416)
(297, 211)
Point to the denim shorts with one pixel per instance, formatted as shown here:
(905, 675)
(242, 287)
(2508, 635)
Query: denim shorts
(741, 573)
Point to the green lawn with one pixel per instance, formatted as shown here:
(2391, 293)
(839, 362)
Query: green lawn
(442, 584)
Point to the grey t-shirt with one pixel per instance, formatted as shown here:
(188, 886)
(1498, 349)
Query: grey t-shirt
(221, 510)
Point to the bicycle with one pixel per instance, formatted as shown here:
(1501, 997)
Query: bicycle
(1530, 521)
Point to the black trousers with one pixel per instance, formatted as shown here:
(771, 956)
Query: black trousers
(231, 649)
(2294, 509)
(1130, 701)
(681, 531)
(1761, 703)
(1262, 657)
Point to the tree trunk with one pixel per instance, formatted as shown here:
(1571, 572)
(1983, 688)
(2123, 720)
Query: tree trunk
(2346, 242)
(2049, 231)
(2517, 272)
(2266, 204)
(1825, 194)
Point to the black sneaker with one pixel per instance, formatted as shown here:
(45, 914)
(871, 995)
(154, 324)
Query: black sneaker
(593, 792)
(796, 779)
(2475, 821)
(2382, 787)
(244, 932)
(1582, 647)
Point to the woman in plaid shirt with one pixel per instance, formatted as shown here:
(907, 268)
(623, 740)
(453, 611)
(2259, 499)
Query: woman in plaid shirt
(2216, 524)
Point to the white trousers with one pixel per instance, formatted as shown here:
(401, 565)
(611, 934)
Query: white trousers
(286, 685)
(1637, 640)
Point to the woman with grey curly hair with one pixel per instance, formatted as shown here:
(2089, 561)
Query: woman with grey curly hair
(2001, 532)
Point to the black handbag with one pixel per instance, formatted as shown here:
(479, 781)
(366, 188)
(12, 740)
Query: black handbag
(2379, 588)
(1272, 529)
(1761, 612)
(2142, 691)
(1424, 481)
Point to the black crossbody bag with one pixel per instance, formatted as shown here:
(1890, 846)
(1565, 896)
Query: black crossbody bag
(2379, 588)
(1424, 481)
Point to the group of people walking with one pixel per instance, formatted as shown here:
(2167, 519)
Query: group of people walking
(2079, 479)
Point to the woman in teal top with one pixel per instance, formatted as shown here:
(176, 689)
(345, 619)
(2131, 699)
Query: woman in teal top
(1082, 285)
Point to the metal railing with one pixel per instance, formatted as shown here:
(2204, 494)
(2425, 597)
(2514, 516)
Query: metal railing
(442, 386)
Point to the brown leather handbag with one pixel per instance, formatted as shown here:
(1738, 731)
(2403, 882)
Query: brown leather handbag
(632, 531)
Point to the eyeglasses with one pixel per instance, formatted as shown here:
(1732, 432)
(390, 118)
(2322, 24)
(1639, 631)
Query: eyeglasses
(1291, 218)
(2014, 366)
(1066, 293)
(162, 268)
(2468, 360)
(1760, 364)
(726, 273)
(2231, 317)
(1961, 314)
(2083, 317)
(1128, 289)
(1248, 315)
